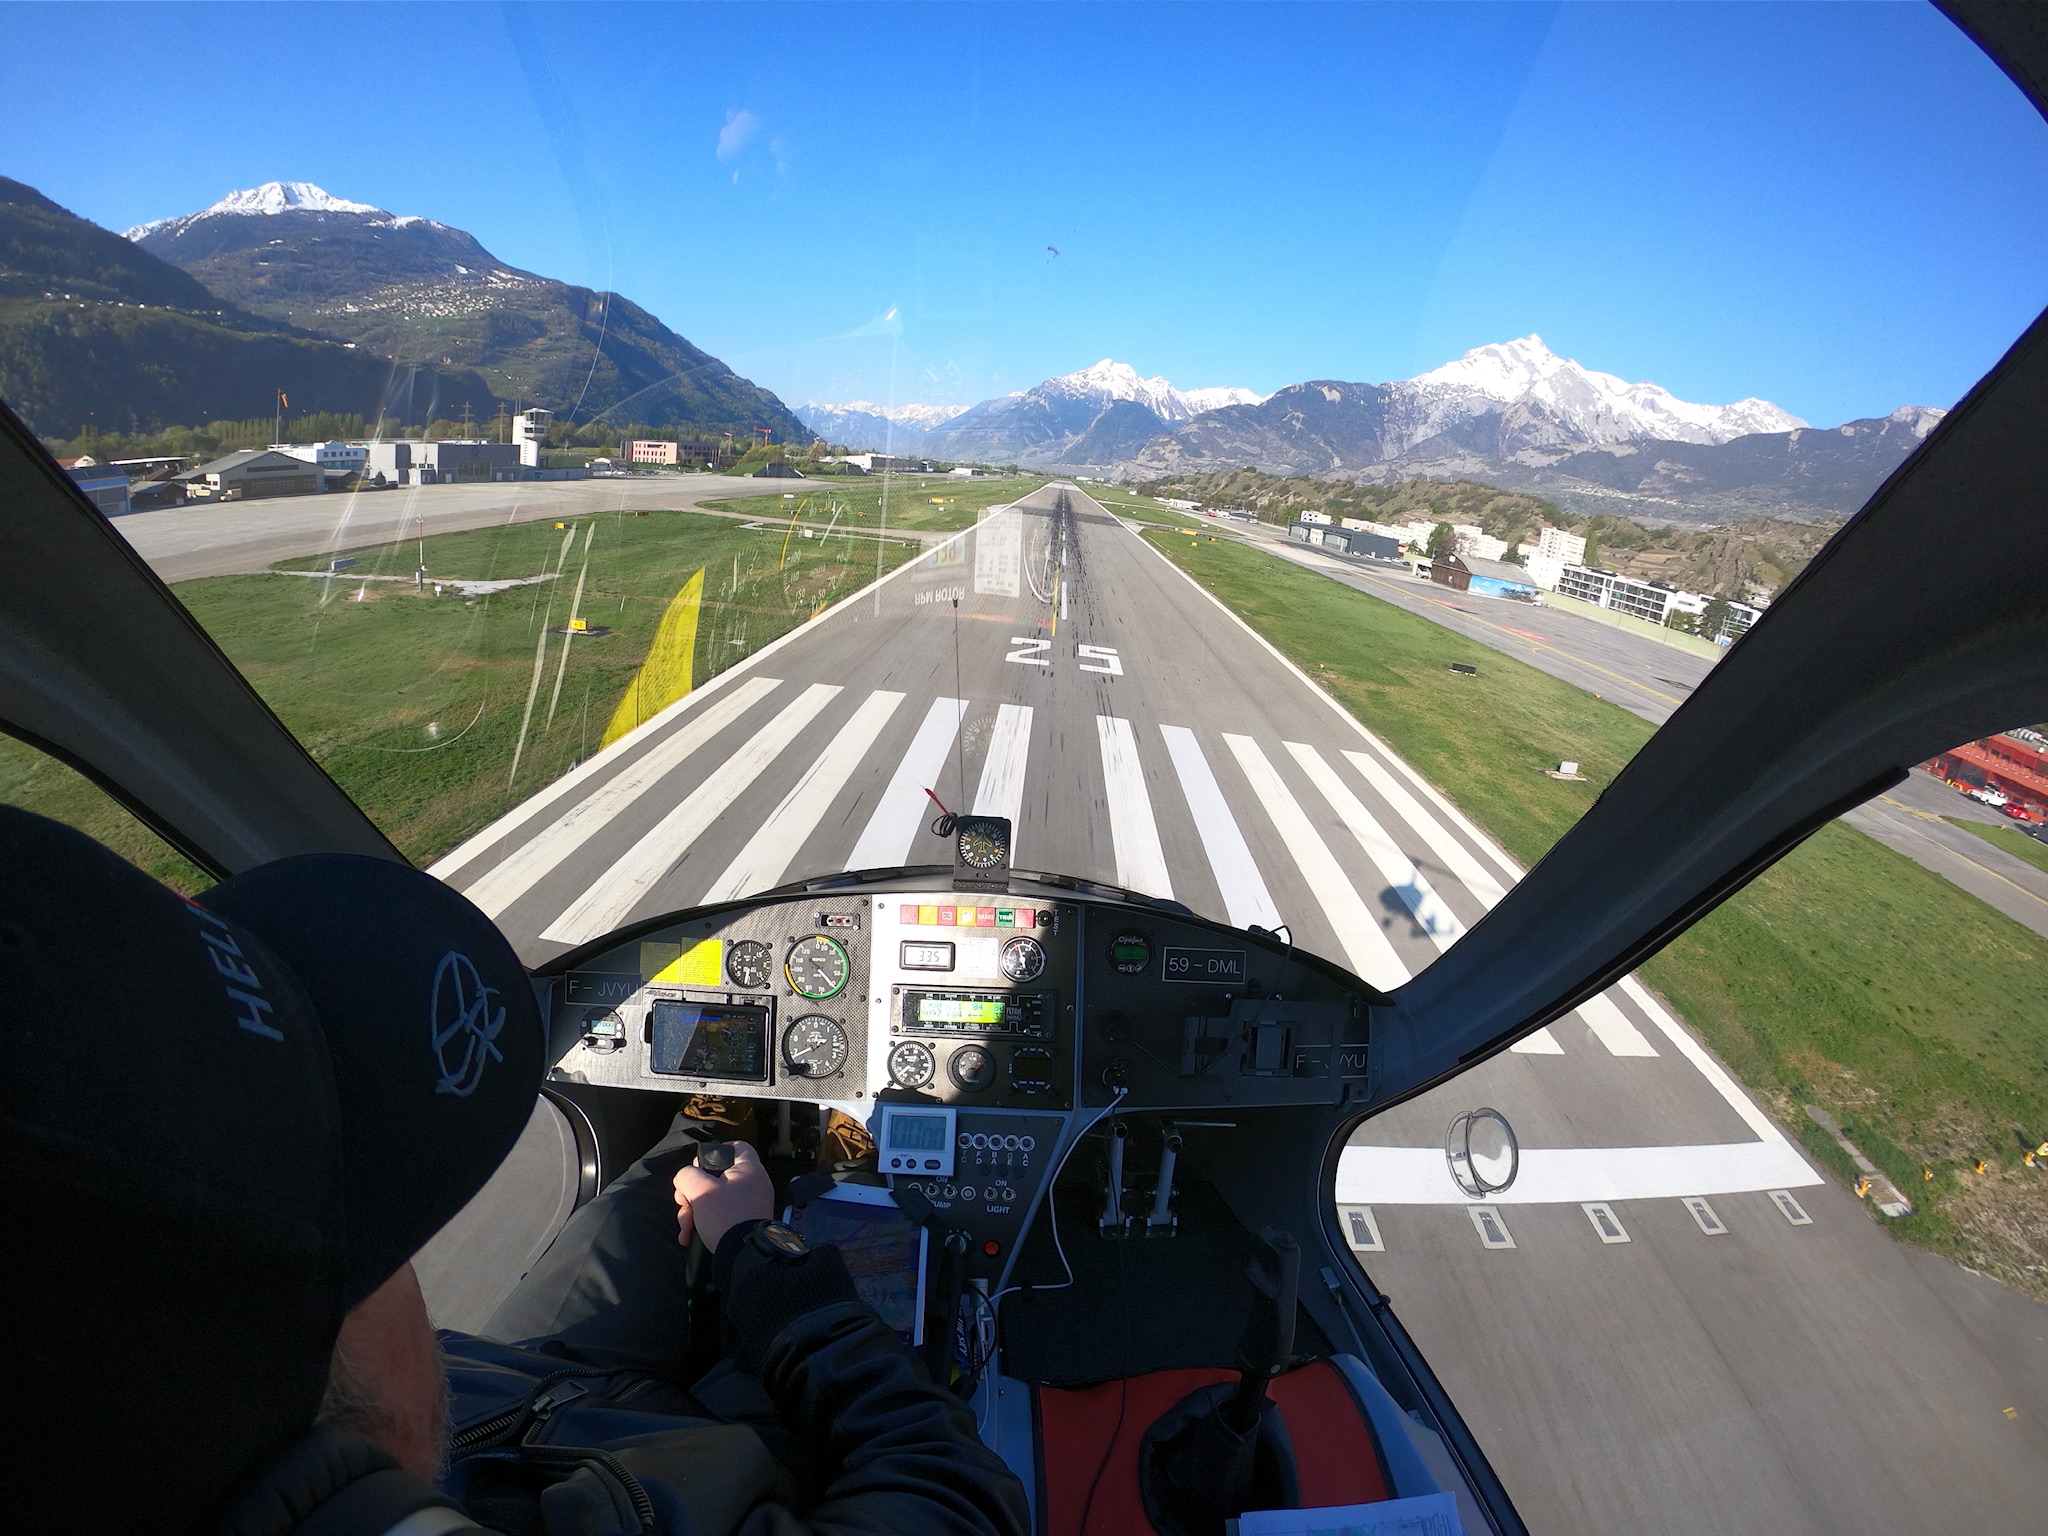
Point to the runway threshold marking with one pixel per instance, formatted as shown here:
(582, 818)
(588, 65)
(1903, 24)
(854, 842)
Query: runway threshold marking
(1369, 950)
(1245, 895)
(761, 865)
(627, 883)
(527, 811)
(1396, 868)
(1140, 861)
(540, 855)
(1456, 857)
(886, 841)
(1001, 790)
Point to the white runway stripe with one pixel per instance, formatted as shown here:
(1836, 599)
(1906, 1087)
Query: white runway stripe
(761, 864)
(609, 902)
(1610, 1026)
(1237, 875)
(903, 808)
(1395, 867)
(1001, 792)
(1140, 862)
(541, 855)
(1371, 955)
(1613, 1029)
(1457, 858)
(1451, 813)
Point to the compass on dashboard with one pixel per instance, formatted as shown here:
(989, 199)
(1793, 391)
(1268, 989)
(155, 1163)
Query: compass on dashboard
(981, 853)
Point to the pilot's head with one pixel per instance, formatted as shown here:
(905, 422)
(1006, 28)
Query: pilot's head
(225, 1124)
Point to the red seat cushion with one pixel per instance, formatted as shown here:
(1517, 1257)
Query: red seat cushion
(1336, 1457)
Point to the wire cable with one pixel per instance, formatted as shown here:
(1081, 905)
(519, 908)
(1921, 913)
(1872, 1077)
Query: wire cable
(1052, 1209)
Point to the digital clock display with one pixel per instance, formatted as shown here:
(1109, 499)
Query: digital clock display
(917, 1133)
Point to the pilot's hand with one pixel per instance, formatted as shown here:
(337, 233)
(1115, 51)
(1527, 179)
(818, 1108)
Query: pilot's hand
(709, 1205)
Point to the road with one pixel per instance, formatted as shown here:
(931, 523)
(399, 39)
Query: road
(1722, 1371)
(1651, 679)
(183, 543)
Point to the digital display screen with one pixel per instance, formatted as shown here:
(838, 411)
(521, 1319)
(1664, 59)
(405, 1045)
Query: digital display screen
(710, 1040)
(960, 1010)
(917, 1133)
(927, 955)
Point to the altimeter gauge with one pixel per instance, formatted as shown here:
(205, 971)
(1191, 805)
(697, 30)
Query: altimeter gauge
(814, 1046)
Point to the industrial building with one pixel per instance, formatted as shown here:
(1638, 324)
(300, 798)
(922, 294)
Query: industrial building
(105, 486)
(444, 461)
(334, 459)
(1346, 540)
(252, 474)
(2013, 764)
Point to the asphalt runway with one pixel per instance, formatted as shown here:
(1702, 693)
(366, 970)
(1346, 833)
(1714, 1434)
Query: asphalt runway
(1732, 1360)
(1650, 678)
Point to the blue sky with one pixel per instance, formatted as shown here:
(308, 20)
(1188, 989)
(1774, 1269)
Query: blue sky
(1836, 207)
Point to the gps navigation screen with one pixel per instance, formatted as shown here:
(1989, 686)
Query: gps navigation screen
(710, 1041)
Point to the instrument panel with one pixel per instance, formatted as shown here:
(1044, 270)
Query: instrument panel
(961, 1000)
(920, 998)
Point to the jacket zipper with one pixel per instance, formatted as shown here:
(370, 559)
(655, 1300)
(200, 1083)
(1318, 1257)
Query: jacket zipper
(541, 1401)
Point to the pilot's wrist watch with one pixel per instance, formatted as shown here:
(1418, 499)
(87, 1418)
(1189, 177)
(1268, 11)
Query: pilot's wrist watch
(780, 1242)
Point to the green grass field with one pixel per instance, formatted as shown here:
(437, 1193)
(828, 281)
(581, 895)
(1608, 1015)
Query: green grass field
(417, 705)
(923, 503)
(1846, 976)
(2011, 839)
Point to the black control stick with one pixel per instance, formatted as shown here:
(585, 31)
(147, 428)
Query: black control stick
(714, 1157)
(1224, 1449)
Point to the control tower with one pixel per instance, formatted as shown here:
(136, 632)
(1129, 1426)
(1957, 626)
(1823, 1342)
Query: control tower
(530, 433)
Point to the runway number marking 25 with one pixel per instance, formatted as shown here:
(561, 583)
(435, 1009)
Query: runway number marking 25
(1028, 651)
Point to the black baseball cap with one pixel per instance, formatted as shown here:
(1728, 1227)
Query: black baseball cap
(225, 1122)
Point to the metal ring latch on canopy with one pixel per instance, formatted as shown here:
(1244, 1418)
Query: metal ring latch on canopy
(1482, 1152)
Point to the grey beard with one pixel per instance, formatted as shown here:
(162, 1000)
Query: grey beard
(350, 1403)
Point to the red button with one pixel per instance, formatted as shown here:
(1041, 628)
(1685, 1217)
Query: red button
(991, 1247)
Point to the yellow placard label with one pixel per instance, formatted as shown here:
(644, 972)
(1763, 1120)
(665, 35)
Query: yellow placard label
(699, 965)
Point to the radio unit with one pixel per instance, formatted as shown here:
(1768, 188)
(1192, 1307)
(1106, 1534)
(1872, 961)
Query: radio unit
(979, 1015)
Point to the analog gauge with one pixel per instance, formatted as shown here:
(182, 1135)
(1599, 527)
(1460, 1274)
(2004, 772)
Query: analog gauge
(1130, 954)
(910, 1065)
(1023, 959)
(817, 967)
(750, 963)
(972, 1068)
(984, 842)
(814, 1046)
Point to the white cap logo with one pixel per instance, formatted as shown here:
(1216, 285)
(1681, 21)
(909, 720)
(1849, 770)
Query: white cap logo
(464, 1027)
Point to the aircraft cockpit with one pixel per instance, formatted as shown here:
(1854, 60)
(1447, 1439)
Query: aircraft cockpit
(1076, 1100)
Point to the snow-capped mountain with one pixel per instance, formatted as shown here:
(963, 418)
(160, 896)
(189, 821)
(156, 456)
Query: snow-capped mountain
(1576, 405)
(1200, 400)
(863, 424)
(422, 293)
(271, 199)
(1047, 418)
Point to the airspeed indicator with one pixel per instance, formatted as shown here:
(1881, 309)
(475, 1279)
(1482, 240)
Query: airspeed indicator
(817, 967)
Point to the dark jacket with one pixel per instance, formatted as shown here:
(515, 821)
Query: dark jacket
(823, 1421)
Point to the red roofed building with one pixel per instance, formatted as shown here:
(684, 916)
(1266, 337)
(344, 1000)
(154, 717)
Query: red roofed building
(2013, 766)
